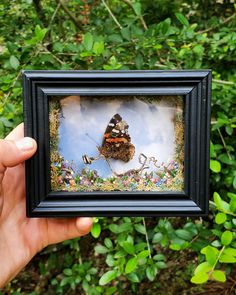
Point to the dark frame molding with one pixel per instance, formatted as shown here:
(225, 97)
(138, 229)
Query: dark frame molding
(195, 85)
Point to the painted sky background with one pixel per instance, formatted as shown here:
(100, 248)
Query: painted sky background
(84, 121)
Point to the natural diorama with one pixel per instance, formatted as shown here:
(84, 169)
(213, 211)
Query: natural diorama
(129, 143)
(163, 256)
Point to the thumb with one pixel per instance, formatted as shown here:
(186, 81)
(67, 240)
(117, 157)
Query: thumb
(15, 152)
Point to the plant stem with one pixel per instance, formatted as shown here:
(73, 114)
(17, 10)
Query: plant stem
(223, 141)
(216, 26)
(140, 17)
(111, 14)
(217, 259)
(223, 82)
(147, 240)
(70, 14)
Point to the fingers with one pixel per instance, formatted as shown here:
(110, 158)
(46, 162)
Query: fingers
(65, 229)
(16, 133)
(15, 152)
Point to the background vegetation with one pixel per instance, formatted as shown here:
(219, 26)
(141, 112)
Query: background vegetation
(132, 255)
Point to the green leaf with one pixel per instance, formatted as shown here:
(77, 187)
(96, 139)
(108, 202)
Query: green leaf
(133, 277)
(98, 48)
(40, 33)
(157, 238)
(137, 8)
(131, 265)
(184, 234)
(230, 251)
(107, 277)
(140, 228)
(101, 249)
(68, 272)
(220, 218)
(161, 264)
(125, 32)
(212, 150)
(203, 268)
(227, 259)
(218, 275)
(143, 254)
(14, 62)
(220, 204)
(215, 166)
(211, 255)
(182, 19)
(226, 238)
(232, 205)
(200, 278)
(114, 228)
(139, 61)
(159, 257)
(96, 230)
(229, 130)
(175, 247)
(108, 243)
(128, 247)
(225, 159)
(151, 272)
(216, 244)
(88, 41)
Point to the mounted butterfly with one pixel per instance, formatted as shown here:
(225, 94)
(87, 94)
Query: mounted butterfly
(116, 142)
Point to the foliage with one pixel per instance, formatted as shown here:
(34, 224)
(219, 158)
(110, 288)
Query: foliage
(113, 35)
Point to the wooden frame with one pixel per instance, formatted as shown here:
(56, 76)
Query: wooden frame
(195, 86)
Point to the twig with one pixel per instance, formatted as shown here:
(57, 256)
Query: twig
(147, 240)
(54, 56)
(223, 141)
(54, 15)
(70, 14)
(217, 259)
(39, 11)
(223, 82)
(216, 26)
(140, 17)
(111, 14)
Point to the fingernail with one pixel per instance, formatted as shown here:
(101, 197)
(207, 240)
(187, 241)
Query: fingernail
(25, 144)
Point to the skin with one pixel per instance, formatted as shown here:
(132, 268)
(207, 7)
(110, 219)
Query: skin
(21, 237)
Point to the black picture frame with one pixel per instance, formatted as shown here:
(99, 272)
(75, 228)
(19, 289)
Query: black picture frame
(194, 85)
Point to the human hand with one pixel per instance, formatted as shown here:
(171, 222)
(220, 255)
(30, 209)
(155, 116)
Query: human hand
(21, 237)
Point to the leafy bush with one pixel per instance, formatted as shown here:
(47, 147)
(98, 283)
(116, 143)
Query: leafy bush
(113, 35)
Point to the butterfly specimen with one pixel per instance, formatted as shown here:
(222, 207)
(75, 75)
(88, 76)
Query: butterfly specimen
(116, 142)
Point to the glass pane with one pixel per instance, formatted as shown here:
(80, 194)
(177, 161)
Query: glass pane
(117, 143)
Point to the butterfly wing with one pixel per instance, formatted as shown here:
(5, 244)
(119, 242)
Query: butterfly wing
(116, 131)
(116, 140)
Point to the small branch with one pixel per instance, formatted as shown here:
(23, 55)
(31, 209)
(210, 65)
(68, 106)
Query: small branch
(216, 26)
(217, 259)
(147, 240)
(40, 12)
(224, 144)
(111, 14)
(128, 2)
(70, 14)
(54, 56)
(223, 82)
(54, 15)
